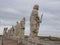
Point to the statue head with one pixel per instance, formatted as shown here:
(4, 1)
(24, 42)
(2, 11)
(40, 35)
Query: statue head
(5, 28)
(36, 7)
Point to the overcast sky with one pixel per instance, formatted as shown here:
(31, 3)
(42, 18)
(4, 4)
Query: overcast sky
(12, 11)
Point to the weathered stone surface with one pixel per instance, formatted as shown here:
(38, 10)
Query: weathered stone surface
(17, 28)
(34, 22)
(10, 32)
(22, 28)
(17, 31)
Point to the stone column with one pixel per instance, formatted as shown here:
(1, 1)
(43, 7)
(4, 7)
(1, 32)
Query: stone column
(34, 22)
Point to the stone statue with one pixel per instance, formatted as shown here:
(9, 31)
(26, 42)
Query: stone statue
(5, 32)
(22, 28)
(34, 21)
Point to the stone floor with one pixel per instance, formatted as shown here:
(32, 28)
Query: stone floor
(47, 42)
(9, 42)
(14, 42)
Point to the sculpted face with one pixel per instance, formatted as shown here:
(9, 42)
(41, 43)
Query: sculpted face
(36, 7)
